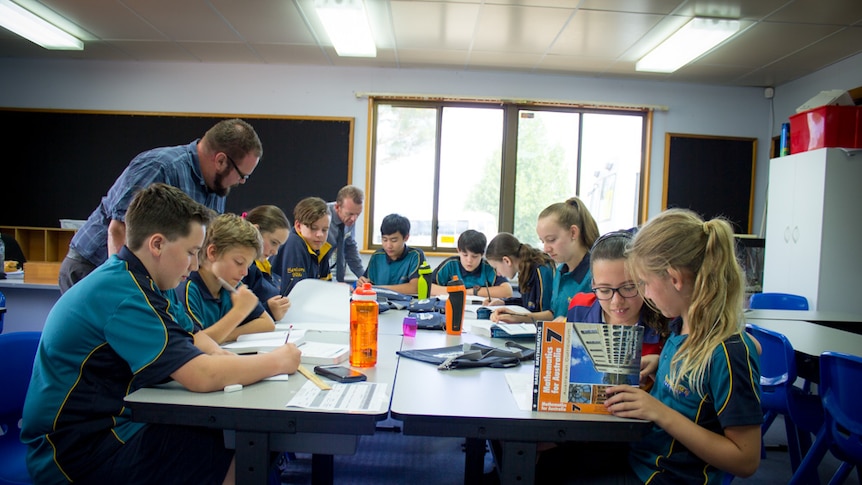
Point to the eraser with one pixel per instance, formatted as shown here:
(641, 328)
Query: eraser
(233, 388)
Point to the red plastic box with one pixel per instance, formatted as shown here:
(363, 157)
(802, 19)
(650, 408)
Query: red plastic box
(826, 126)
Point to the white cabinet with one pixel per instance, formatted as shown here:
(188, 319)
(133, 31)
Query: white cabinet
(814, 228)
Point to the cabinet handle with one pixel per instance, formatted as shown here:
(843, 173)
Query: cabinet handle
(795, 234)
(787, 234)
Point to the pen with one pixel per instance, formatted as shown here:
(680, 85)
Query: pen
(489, 291)
(287, 339)
(224, 284)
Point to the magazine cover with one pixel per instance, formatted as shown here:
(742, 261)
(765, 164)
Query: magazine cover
(576, 362)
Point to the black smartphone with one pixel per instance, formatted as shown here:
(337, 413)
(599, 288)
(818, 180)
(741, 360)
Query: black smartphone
(339, 373)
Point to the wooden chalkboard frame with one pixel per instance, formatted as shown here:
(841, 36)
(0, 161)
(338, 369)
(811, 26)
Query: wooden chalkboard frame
(712, 175)
(64, 161)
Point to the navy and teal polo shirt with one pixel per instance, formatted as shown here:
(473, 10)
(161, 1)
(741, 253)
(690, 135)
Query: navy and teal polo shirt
(483, 275)
(206, 309)
(384, 271)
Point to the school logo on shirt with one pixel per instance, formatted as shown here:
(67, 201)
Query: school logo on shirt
(296, 272)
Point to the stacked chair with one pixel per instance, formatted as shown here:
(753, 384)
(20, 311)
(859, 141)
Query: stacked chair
(777, 301)
(802, 411)
(841, 432)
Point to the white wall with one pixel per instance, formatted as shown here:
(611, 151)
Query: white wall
(325, 91)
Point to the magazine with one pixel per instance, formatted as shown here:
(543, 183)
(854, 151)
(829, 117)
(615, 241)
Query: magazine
(576, 362)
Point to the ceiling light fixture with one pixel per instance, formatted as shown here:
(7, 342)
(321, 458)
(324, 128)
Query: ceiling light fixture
(688, 43)
(28, 25)
(346, 23)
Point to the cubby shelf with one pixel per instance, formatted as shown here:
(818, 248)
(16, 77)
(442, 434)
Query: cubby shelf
(49, 244)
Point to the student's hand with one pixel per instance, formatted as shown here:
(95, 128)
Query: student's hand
(278, 306)
(559, 319)
(633, 402)
(362, 280)
(504, 315)
(649, 366)
(492, 302)
(244, 299)
(288, 358)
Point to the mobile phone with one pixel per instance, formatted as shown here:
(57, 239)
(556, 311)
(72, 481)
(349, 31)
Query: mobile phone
(339, 373)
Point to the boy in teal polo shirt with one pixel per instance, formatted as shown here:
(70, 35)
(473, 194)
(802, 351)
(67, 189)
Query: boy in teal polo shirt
(480, 278)
(395, 266)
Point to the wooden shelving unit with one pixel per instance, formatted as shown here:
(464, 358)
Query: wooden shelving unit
(47, 244)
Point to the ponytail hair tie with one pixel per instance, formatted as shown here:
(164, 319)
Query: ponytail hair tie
(244, 215)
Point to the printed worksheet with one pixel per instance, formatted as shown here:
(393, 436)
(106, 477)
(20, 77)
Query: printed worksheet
(355, 396)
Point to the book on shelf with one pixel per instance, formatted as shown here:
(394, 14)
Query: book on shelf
(576, 362)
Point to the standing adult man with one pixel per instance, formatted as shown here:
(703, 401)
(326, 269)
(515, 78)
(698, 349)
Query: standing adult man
(206, 169)
(342, 230)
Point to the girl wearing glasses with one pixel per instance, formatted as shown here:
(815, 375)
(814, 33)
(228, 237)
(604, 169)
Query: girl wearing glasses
(615, 298)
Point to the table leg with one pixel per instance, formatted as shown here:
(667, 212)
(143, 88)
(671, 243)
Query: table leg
(322, 472)
(518, 464)
(252, 458)
(474, 460)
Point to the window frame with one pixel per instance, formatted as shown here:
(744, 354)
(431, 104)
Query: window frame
(511, 110)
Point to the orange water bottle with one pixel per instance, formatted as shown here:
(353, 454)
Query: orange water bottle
(363, 327)
(455, 306)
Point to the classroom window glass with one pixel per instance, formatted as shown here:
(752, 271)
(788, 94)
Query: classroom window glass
(449, 167)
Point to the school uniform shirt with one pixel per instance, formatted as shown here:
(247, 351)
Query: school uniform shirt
(259, 281)
(384, 271)
(178, 166)
(536, 297)
(483, 275)
(568, 283)
(585, 307)
(731, 398)
(296, 261)
(206, 309)
(112, 333)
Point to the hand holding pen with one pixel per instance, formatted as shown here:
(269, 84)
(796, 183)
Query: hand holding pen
(241, 297)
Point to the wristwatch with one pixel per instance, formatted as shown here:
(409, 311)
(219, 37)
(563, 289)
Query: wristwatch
(475, 291)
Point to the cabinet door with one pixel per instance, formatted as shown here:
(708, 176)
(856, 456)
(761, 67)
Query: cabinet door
(794, 224)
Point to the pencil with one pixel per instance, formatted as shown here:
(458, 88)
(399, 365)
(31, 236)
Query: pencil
(313, 378)
(224, 284)
(489, 291)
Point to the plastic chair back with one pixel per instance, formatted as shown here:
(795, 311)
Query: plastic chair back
(777, 301)
(18, 349)
(841, 433)
(840, 378)
(802, 411)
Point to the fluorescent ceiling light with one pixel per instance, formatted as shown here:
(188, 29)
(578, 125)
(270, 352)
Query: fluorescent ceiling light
(346, 23)
(34, 28)
(686, 44)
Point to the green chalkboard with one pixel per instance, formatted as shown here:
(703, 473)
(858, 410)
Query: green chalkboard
(61, 163)
(711, 175)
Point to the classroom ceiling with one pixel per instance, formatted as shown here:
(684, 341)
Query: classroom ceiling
(780, 40)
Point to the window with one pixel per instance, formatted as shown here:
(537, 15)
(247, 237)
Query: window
(451, 166)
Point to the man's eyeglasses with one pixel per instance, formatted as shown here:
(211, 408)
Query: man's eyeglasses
(625, 291)
(241, 175)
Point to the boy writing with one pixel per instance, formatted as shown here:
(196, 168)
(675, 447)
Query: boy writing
(220, 308)
(395, 266)
(478, 276)
(114, 332)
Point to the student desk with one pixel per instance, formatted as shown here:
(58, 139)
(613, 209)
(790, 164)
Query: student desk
(478, 405)
(261, 423)
(811, 333)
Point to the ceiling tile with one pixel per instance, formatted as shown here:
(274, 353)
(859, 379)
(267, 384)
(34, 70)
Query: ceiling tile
(603, 34)
(425, 25)
(518, 29)
(814, 12)
(273, 22)
(172, 18)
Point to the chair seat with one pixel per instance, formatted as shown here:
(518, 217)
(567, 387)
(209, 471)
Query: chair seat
(13, 460)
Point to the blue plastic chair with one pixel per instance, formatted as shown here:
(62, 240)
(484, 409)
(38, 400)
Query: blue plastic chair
(841, 433)
(802, 411)
(777, 301)
(18, 350)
